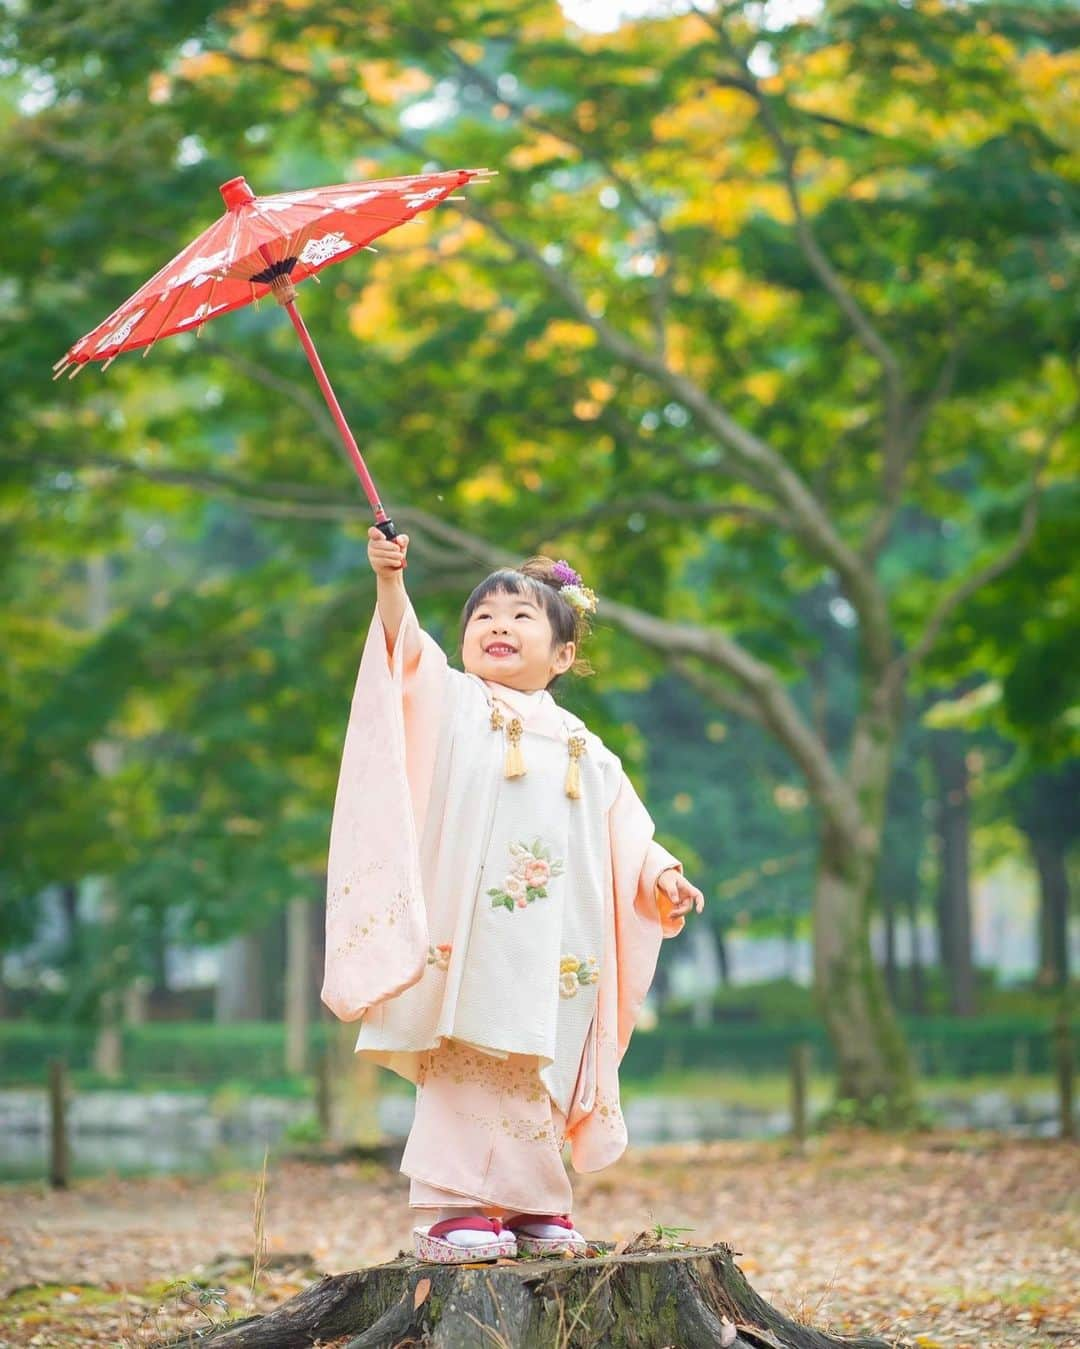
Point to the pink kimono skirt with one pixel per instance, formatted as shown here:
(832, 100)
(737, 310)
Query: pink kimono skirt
(486, 1134)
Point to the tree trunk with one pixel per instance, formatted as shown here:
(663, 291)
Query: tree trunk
(888, 922)
(316, 947)
(69, 903)
(159, 959)
(647, 1297)
(354, 1110)
(871, 1055)
(918, 983)
(873, 1062)
(239, 994)
(297, 990)
(954, 892)
(1047, 808)
(723, 958)
(706, 970)
(1049, 857)
(108, 1055)
(135, 1009)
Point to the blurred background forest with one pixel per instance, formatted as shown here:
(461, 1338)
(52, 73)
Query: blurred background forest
(767, 325)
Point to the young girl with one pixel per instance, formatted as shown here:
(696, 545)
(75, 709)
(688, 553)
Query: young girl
(495, 906)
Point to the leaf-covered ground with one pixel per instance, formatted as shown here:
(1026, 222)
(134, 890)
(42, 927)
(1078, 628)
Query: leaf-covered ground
(970, 1243)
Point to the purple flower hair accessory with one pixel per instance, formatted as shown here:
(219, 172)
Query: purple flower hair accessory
(565, 574)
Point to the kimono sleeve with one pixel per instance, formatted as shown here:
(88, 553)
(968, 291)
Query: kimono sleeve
(642, 914)
(376, 923)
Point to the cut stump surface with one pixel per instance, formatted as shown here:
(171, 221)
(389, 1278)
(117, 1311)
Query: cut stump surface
(644, 1297)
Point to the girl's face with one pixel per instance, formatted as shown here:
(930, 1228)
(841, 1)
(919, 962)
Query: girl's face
(508, 639)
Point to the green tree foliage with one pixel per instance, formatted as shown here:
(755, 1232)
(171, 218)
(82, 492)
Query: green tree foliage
(769, 329)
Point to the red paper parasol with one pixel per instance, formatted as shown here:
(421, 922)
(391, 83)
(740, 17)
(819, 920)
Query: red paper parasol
(267, 245)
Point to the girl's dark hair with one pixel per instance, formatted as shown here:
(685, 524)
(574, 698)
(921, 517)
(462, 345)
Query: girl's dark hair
(535, 579)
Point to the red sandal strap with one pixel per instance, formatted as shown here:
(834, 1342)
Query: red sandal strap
(551, 1219)
(470, 1224)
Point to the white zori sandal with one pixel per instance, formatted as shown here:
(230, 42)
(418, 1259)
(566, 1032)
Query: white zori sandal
(545, 1234)
(456, 1241)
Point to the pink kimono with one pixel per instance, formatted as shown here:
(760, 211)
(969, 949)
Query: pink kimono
(494, 934)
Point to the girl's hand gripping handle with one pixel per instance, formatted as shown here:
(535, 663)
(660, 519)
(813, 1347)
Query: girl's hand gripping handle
(386, 554)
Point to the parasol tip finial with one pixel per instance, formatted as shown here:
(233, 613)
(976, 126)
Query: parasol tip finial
(236, 193)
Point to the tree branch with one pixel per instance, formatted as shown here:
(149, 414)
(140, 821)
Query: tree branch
(810, 521)
(660, 290)
(269, 500)
(718, 460)
(776, 710)
(716, 692)
(823, 268)
(662, 504)
(808, 515)
(898, 450)
(953, 599)
(808, 518)
(295, 391)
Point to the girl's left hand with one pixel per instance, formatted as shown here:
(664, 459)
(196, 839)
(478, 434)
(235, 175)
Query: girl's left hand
(682, 896)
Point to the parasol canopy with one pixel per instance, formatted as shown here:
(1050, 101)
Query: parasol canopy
(267, 245)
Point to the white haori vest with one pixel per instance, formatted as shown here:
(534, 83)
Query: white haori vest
(516, 872)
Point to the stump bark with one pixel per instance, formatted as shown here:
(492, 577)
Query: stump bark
(644, 1297)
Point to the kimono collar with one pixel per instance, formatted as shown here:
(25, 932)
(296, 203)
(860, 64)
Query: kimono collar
(540, 713)
(538, 710)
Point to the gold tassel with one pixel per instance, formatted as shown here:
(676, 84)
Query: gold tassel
(515, 764)
(576, 746)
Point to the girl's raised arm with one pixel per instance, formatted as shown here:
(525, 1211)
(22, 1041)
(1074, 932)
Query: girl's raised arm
(387, 558)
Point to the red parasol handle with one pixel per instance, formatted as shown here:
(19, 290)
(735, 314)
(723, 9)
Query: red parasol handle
(285, 294)
(382, 520)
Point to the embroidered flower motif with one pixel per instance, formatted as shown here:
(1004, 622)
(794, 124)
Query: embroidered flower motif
(527, 880)
(537, 872)
(439, 955)
(575, 972)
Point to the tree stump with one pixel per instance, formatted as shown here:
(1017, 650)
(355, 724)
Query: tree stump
(646, 1296)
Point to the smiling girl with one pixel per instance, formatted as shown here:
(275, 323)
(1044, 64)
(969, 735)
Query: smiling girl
(495, 906)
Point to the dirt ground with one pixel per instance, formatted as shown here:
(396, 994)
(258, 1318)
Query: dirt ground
(965, 1242)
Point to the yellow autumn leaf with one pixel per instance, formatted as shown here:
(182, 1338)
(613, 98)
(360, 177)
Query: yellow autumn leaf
(373, 312)
(387, 82)
(568, 333)
(763, 386)
(488, 485)
(539, 150)
(250, 40)
(561, 335)
(204, 66)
